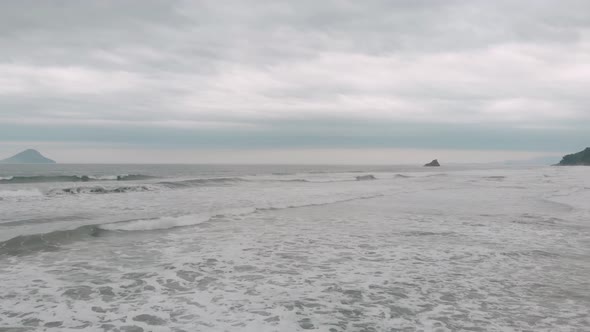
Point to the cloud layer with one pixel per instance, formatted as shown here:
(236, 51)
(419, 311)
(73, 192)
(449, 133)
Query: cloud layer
(456, 74)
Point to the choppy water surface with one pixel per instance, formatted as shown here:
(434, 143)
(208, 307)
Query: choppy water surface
(286, 248)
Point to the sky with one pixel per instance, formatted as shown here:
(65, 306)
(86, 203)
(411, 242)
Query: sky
(306, 81)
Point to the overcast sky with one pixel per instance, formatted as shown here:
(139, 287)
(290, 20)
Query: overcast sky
(294, 81)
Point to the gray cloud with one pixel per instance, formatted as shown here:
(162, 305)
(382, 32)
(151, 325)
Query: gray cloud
(438, 74)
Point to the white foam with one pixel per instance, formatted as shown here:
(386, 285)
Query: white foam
(417, 258)
(168, 222)
(159, 223)
(100, 189)
(172, 222)
(20, 193)
(104, 177)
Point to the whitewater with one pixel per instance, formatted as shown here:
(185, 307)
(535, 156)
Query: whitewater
(294, 248)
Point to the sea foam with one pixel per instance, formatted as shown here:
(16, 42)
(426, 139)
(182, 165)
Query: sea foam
(20, 193)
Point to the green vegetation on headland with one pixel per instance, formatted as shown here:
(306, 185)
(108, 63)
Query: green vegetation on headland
(580, 158)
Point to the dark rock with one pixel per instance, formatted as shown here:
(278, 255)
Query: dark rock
(581, 158)
(433, 163)
(365, 177)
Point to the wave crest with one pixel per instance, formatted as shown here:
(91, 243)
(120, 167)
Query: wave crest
(20, 193)
(99, 190)
(27, 244)
(73, 178)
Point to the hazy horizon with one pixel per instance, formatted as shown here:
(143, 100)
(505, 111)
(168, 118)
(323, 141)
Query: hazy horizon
(295, 82)
(301, 157)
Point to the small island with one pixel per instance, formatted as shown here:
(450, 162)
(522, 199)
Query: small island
(581, 158)
(433, 163)
(29, 156)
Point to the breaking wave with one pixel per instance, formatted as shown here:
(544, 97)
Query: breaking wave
(152, 186)
(99, 190)
(141, 188)
(20, 193)
(45, 178)
(173, 222)
(52, 241)
(28, 244)
(73, 178)
(195, 219)
(201, 182)
(233, 181)
(134, 177)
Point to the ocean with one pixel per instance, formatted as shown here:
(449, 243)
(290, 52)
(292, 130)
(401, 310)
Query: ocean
(294, 248)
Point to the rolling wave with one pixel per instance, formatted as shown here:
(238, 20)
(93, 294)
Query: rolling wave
(162, 185)
(52, 241)
(152, 186)
(134, 177)
(233, 181)
(195, 219)
(29, 244)
(46, 178)
(201, 182)
(168, 222)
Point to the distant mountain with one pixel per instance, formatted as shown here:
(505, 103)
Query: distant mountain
(29, 156)
(575, 159)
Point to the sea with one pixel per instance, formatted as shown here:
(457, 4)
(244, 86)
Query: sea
(133, 248)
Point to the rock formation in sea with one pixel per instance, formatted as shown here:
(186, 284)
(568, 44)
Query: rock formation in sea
(576, 159)
(433, 163)
(29, 156)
